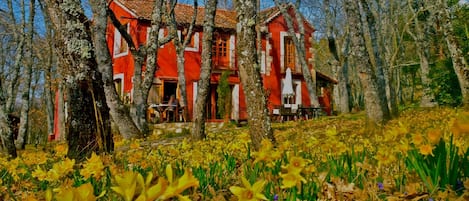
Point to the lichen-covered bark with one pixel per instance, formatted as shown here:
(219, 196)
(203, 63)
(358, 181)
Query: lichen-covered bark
(378, 56)
(88, 126)
(119, 113)
(375, 106)
(258, 118)
(203, 87)
(459, 62)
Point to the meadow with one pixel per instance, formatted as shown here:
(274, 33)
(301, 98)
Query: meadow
(422, 155)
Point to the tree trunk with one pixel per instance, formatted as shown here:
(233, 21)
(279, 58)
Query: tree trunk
(258, 118)
(203, 87)
(181, 45)
(459, 62)
(25, 98)
(421, 38)
(378, 56)
(119, 113)
(6, 134)
(375, 106)
(301, 50)
(88, 125)
(19, 36)
(48, 62)
(141, 87)
(341, 90)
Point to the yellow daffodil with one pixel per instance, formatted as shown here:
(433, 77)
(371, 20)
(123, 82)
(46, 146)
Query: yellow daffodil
(85, 192)
(291, 179)
(126, 185)
(417, 139)
(296, 164)
(93, 167)
(64, 167)
(176, 187)
(61, 149)
(39, 173)
(434, 136)
(153, 192)
(426, 149)
(249, 192)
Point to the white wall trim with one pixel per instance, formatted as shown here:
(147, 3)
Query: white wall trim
(126, 9)
(194, 95)
(195, 37)
(298, 99)
(235, 102)
(232, 51)
(117, 43)
(263, 65)
(282, 50)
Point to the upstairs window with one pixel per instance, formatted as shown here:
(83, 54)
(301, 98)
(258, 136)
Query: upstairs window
(220, 51)
(121, 47)
(290, 53)
(193, 44)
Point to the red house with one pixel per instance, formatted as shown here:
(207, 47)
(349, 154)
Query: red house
(278, 53)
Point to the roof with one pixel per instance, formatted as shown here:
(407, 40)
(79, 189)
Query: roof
(183, 12)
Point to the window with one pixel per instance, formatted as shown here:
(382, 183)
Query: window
(290, 53)
(120, 45)
(220, 48)
(119, 84)
(193, 44)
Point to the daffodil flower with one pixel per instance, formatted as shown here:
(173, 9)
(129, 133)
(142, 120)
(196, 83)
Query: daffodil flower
(249, 192)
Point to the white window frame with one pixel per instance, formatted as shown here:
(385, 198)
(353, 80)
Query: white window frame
(263, 65)
(195, 37)
(117, 43)
(284, 34)
(298, 99)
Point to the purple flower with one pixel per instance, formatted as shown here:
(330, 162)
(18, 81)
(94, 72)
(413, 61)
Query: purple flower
(380, 186)
(275, 197)
(430, 199)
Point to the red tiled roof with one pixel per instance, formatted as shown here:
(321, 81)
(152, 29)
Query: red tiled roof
(184, 13)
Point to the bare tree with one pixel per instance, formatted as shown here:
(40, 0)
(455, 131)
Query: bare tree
(459, 62)
(198, 125)
(47, 56)
(119, 113)
(300, 47)
(25, 98)
(376, 107)
(379, 63)
(181, 43)
(421, 35)
(339, 61)
(141, 87)
(88, 126)
(258, 119)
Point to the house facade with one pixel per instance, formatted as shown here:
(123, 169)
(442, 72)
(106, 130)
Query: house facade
(278, 53)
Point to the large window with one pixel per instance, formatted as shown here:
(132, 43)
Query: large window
(121, 47)
(290, 53)
(220, 51)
